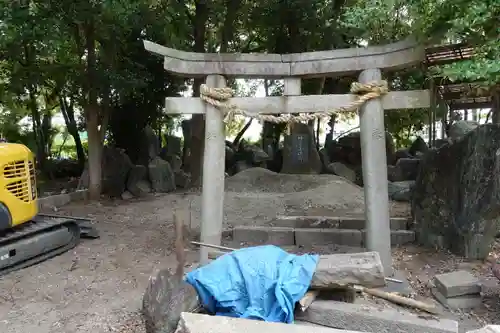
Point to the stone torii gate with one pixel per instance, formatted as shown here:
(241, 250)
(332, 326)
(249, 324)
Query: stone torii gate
(292, 67)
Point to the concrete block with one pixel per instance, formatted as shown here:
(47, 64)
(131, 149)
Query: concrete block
(457, 283)
(200, 323)
(264, 235)
(306, 221)
(363, 269)
(398, 237)
(309, 237)
(365, 318)
(487, 329)
(458, 302)
(402, 237)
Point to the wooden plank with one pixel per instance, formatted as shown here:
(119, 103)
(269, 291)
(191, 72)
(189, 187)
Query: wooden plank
(310, 64)
(394, 100)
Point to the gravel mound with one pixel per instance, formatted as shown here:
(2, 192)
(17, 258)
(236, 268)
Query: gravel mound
(256, 195)
(263, 180)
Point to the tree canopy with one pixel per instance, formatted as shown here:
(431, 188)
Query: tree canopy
(85, 58)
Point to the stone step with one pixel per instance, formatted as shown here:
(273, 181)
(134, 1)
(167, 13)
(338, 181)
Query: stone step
(284, 236)
(327, 222)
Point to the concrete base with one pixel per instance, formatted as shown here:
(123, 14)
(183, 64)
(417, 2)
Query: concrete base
(458, 302)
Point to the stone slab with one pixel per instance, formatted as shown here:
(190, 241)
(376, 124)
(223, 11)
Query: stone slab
(337, 270)
(487, 329)
(398, 237)
(200, 323)
(365, 318)
(304, 221)
(457, 283)
(311, 236)
(264, 235)
(458, 302)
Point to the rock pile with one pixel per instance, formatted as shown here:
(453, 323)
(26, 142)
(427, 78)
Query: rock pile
(159, 170)
(343, 158)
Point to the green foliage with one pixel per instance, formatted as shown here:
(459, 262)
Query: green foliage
(44, 49)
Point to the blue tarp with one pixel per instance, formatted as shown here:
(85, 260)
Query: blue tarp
(262, 282)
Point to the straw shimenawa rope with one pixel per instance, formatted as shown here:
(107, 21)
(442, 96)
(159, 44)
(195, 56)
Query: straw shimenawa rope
(219, 98)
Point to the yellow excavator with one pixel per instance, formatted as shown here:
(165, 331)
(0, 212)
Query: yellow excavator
(26, 236)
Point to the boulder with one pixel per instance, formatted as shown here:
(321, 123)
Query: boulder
(351, 146)
(165, 298)
(400, 191)
(394, 174)
(418, 146)
(137, 174)
(343, 171)
(456, 198)
(300, 155)
(409, 168)
(161, 175)
(460, 128)
(182, 179)
(402, 153)
(115, 168)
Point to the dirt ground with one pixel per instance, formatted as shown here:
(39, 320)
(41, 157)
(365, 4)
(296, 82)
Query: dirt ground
(98, 286)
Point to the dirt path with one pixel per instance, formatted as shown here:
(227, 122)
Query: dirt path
(99, 284)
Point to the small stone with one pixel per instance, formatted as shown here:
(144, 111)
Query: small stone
(457, 283)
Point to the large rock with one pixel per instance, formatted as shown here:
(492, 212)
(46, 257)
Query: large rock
(351, 146)
(300, 155)
(115, 168)
(161, 175)
(418, 147)
(456, 198)
(343, 170)
(400, 191)
(459, 129)
(166, 297)
(135, 180)
(409, 167)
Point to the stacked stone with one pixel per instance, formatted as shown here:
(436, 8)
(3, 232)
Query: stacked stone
(457, 290)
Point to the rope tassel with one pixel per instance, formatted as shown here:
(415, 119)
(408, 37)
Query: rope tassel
(220, 99)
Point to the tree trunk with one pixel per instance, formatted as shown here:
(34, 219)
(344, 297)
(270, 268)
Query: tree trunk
(198, 120)
(68, 113)
(495, 110)
(92, 117)
(41, 155)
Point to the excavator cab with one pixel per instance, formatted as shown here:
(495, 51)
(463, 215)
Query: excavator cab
(18, 192)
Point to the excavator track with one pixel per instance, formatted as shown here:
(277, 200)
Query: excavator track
(40, 239)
